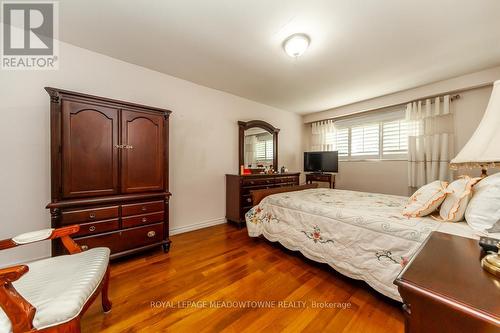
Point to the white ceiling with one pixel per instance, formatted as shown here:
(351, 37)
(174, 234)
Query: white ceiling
(360, 49)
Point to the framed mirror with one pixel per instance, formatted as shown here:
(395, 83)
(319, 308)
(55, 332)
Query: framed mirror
(258, 145)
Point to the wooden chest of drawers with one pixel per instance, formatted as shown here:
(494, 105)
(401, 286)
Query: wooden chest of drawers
(124, 224)
(445, 289)
(238, 188)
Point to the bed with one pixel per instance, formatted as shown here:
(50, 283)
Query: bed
(361, 235)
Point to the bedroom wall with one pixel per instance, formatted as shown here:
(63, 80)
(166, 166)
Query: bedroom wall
(460, 83)
(203, 139)
(391, 176)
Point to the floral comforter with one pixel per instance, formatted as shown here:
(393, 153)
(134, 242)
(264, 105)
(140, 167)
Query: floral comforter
(361, 235)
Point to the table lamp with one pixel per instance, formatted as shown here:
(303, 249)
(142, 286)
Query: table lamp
(483, 151)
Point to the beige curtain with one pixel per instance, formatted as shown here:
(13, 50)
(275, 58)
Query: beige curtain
(430, 141)
(250, 151)
(319, 131)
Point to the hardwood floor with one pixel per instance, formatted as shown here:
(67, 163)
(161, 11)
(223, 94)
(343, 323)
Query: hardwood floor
(222, 264)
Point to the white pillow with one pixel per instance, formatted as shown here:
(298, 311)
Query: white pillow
(484, 207)
(426, 200)
(460, 192)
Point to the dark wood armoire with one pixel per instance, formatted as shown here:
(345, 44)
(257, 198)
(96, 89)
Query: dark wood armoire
(109, 162)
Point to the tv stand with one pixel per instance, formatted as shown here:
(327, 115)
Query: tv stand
(321, 177)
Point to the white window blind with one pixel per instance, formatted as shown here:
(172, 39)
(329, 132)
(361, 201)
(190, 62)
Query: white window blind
(373, 136)
(395, 137)
(264, 150)
(365, 140)
(342, 138)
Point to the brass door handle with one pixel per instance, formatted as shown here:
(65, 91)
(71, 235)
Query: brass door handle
(151, 234)
(124, 146)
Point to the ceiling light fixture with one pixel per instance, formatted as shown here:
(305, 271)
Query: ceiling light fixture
(296, 44)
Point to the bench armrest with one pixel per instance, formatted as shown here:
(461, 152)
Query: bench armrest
(19, 310)
(37, 236)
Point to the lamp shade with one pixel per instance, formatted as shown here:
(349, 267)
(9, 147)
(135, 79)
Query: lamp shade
(483, 148)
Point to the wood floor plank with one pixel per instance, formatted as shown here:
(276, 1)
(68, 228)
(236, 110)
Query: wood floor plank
(224, 266)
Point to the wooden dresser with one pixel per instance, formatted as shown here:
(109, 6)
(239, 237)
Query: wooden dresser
(238, 187)
(445, 290)
(109, 162)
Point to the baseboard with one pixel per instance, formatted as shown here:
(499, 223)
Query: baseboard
(196, 226)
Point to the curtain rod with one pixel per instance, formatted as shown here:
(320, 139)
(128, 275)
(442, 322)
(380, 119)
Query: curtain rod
(455, 93)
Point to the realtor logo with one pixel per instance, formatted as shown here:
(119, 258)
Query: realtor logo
(29, 33)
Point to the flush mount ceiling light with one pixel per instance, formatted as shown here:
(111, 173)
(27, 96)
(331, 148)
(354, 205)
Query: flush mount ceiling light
(296, 44)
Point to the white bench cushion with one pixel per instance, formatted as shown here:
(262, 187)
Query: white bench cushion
(59, 287)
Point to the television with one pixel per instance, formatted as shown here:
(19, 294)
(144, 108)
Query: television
(321, 161)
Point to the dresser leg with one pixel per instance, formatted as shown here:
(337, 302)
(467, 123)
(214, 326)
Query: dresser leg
(166, 247)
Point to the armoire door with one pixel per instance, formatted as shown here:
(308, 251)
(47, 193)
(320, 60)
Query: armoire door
(89, 152)
(143, 152)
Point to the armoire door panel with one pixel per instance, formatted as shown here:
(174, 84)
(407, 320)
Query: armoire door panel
(142, 155)
(90, 157)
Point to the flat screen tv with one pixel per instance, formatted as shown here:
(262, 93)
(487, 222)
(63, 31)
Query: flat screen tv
(324, 161)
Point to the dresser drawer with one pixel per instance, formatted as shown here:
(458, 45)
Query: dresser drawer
(142, 208)
(257, 181)
(142, 236)
(246, 199)
(111, 240)
(135, 221)
(92, 228)
(88, 215)
(245, 191)
(119, 241)
(289, 179)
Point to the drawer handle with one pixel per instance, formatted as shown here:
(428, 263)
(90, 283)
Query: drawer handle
(406, 308)
(252, 182)
(144, 219)
(249, 199)
(92, 228)
(151, 234)
(92, 216)
(144, 208)
(84, 247)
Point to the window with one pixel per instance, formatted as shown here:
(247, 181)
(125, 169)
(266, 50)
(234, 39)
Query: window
(378, 136)
(340, 139)
(365, 140)
(395, 137)
(264, 150)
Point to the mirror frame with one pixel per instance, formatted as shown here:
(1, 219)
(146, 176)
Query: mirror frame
(244, 125)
